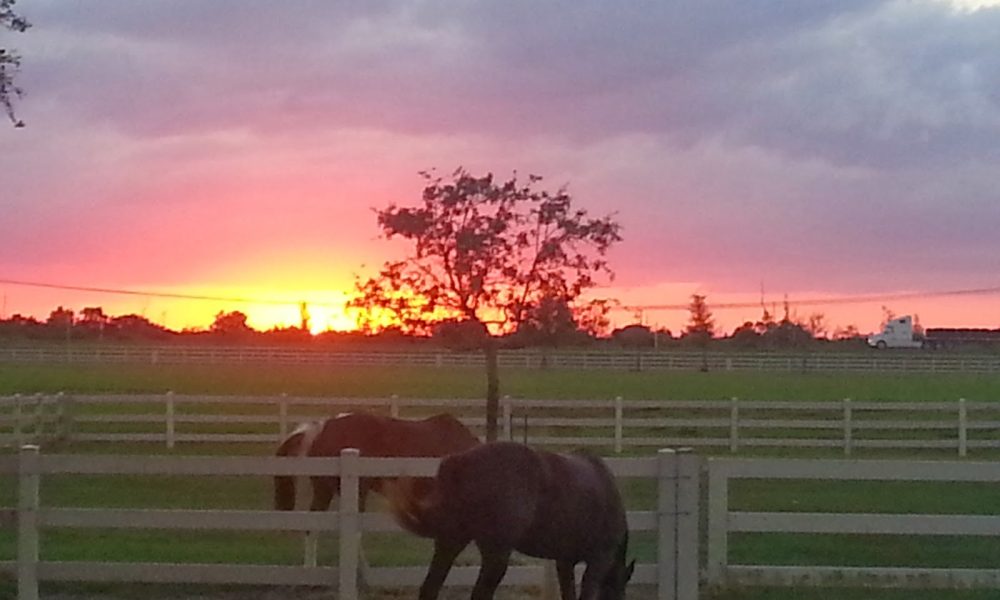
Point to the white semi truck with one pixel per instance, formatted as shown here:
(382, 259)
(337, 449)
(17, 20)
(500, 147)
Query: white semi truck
(899, 333)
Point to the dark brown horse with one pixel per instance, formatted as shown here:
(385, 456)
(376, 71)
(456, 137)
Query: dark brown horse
(372, 435)
(505, 496)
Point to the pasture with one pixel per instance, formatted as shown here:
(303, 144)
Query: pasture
(423, 382)
(254, 493)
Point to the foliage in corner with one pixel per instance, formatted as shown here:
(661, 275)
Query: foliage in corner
(10, 61)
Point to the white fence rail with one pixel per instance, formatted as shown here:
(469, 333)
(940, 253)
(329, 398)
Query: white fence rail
(675, 520)
(845, 426)
(34, 418)
(722, 522)
(873, 361)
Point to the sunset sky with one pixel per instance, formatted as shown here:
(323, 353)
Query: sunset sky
(235, 149)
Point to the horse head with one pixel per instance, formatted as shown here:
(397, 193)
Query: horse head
(613, 587)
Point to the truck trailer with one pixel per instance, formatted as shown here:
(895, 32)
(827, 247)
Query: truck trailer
(900, 333)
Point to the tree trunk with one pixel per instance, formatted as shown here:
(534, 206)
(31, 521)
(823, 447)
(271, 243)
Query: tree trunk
(492, 388)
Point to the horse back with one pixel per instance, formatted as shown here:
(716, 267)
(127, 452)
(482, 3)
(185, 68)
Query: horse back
(540, 503)
(377, 435)
(580, 513)
(488, 493)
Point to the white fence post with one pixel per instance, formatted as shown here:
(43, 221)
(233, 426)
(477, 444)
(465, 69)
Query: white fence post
(677, 524)
(619, 413)
(688, 497)
(718, 522)
(16, 425)
(394, 406)
(350, 524)
(963, 428)
(59, 430)
(283, 416)
(848, 427)
(508, 418)
(38, 416)
(734, 424)
(310, 549)
(170, 435)
(27, 523)
(666, 525)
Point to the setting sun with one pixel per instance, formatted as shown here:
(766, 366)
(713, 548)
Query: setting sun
(266, 308)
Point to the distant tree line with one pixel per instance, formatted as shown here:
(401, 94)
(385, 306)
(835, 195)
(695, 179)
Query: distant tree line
(553, 324)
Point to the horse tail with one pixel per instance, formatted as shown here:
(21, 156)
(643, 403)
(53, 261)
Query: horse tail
(412, 509)
(296, 444)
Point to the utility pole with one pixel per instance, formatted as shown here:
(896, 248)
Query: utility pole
(304, 316)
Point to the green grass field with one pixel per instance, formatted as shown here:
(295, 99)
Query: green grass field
(254, 493)
(422, 382)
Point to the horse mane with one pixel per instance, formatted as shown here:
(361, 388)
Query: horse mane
(297, 442)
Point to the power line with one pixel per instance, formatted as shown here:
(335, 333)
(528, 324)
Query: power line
(828, 301)
(154, 294)
(632, 307)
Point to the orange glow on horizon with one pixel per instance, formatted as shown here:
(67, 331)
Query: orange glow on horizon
(284, 291)
(281, 283)
(283, 308)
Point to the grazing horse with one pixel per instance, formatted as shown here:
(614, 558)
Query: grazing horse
(372, 435)
(505, 496)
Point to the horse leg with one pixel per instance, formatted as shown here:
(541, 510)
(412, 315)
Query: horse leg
(444, 556)
(323, 492)
(593, 577)
(494, 567)
(322, 497)
(366, 485)
(567, 579)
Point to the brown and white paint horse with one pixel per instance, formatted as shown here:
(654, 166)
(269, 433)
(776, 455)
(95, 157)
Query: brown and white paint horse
(373, 436)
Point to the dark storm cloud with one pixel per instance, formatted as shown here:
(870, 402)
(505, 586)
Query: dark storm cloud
(856, 82)
(833, 139)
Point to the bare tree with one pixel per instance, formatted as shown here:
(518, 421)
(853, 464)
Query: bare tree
(847, 332)
(817, 325)
(484, 251)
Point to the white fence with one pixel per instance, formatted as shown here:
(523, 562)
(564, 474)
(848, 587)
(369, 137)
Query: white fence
(34, 418)
(675, 520)
(845, 426)
(722, 522)
(617, 359)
